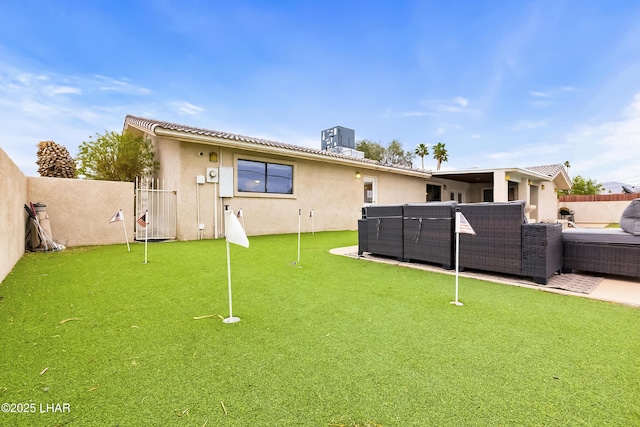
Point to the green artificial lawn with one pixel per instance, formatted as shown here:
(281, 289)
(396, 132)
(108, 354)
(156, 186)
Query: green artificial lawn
(332, 341)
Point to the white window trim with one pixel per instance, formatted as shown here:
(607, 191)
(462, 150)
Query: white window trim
(374, 186)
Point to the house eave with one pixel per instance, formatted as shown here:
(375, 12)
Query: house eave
(285, 152)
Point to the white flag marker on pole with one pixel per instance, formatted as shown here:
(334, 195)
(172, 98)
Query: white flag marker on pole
(241, 215)
(144, 221)
(234, 234)
(461, 226)
(119, 216)
(311, 215)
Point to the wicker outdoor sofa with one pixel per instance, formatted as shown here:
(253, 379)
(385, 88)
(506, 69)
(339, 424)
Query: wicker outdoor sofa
(609, 250)
(504, 242)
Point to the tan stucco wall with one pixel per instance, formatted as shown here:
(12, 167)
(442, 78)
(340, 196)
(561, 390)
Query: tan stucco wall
(79, 210)
(596, 212)
(13, 217)
(331, 190)
(547, 202)
(394, 188)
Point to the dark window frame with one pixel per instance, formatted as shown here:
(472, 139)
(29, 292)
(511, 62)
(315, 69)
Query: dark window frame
(268, 182)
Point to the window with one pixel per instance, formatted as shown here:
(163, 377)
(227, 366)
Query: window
(263, 177)
(369, 190)
(512, 191)
(434, 193)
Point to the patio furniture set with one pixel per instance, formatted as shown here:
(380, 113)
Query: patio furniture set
(504, 242)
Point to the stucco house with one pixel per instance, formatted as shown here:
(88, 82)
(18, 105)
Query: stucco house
(277, 185)
(538, 186)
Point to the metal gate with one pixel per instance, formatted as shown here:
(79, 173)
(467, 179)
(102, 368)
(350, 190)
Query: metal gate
(160, 205)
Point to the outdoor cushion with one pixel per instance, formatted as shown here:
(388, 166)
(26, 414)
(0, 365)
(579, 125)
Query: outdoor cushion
(630, 219)
(599, 235)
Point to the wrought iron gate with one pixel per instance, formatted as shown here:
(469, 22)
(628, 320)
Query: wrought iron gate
(161, 207)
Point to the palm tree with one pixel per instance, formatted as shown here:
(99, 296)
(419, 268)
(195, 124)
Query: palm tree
(440, 154)
(421, 151)
(567, 165)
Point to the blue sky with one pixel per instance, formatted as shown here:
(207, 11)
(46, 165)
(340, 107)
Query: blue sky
(501, 83)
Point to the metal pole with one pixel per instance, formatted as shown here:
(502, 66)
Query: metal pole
(457, 231)
(299, 213)
(229, 281)
(229, 319)
(146, 234)
(125, 231)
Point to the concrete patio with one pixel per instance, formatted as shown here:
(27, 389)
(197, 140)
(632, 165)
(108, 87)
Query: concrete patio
(617, 289)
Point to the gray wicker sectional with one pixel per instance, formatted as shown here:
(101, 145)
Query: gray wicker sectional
(428, 233)
(503, 243)
(607, 250)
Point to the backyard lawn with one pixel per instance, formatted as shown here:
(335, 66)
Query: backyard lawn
(93, 337)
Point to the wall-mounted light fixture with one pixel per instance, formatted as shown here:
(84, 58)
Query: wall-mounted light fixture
(507, 177)
(358, 175)
(530, 182)
(444, 187)
(213, 156)
(542, 186)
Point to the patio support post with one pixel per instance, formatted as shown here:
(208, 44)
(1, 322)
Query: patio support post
(500, 186)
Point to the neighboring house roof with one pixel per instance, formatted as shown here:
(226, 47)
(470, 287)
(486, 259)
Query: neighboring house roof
(200, 135)
(549, 170)
(557, 173)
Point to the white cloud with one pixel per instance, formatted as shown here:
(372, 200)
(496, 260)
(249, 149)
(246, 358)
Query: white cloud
(52, 90)
(543, 99)
(187, 108)
(108, 84)
(606, 151)
(542, 104)
(530, 154)
(602, 151)
(457, 104)
(440, 131)
(539, 94)
(502, 155)
(64, 108)
(460, 100)
(417, 114)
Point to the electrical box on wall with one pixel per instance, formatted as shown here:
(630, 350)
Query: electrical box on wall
(226, 181)
(212, 175)
(200, 179)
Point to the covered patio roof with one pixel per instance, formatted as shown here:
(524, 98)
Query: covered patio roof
(485, 176)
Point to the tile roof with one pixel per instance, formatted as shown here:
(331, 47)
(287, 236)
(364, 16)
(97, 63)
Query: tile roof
(549, 170)
(151, 125)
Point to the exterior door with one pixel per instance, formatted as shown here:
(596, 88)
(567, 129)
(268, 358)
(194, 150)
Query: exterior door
(370, 196)
(457, 195)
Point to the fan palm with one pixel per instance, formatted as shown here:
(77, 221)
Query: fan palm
(421, 151)
(440, 154)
